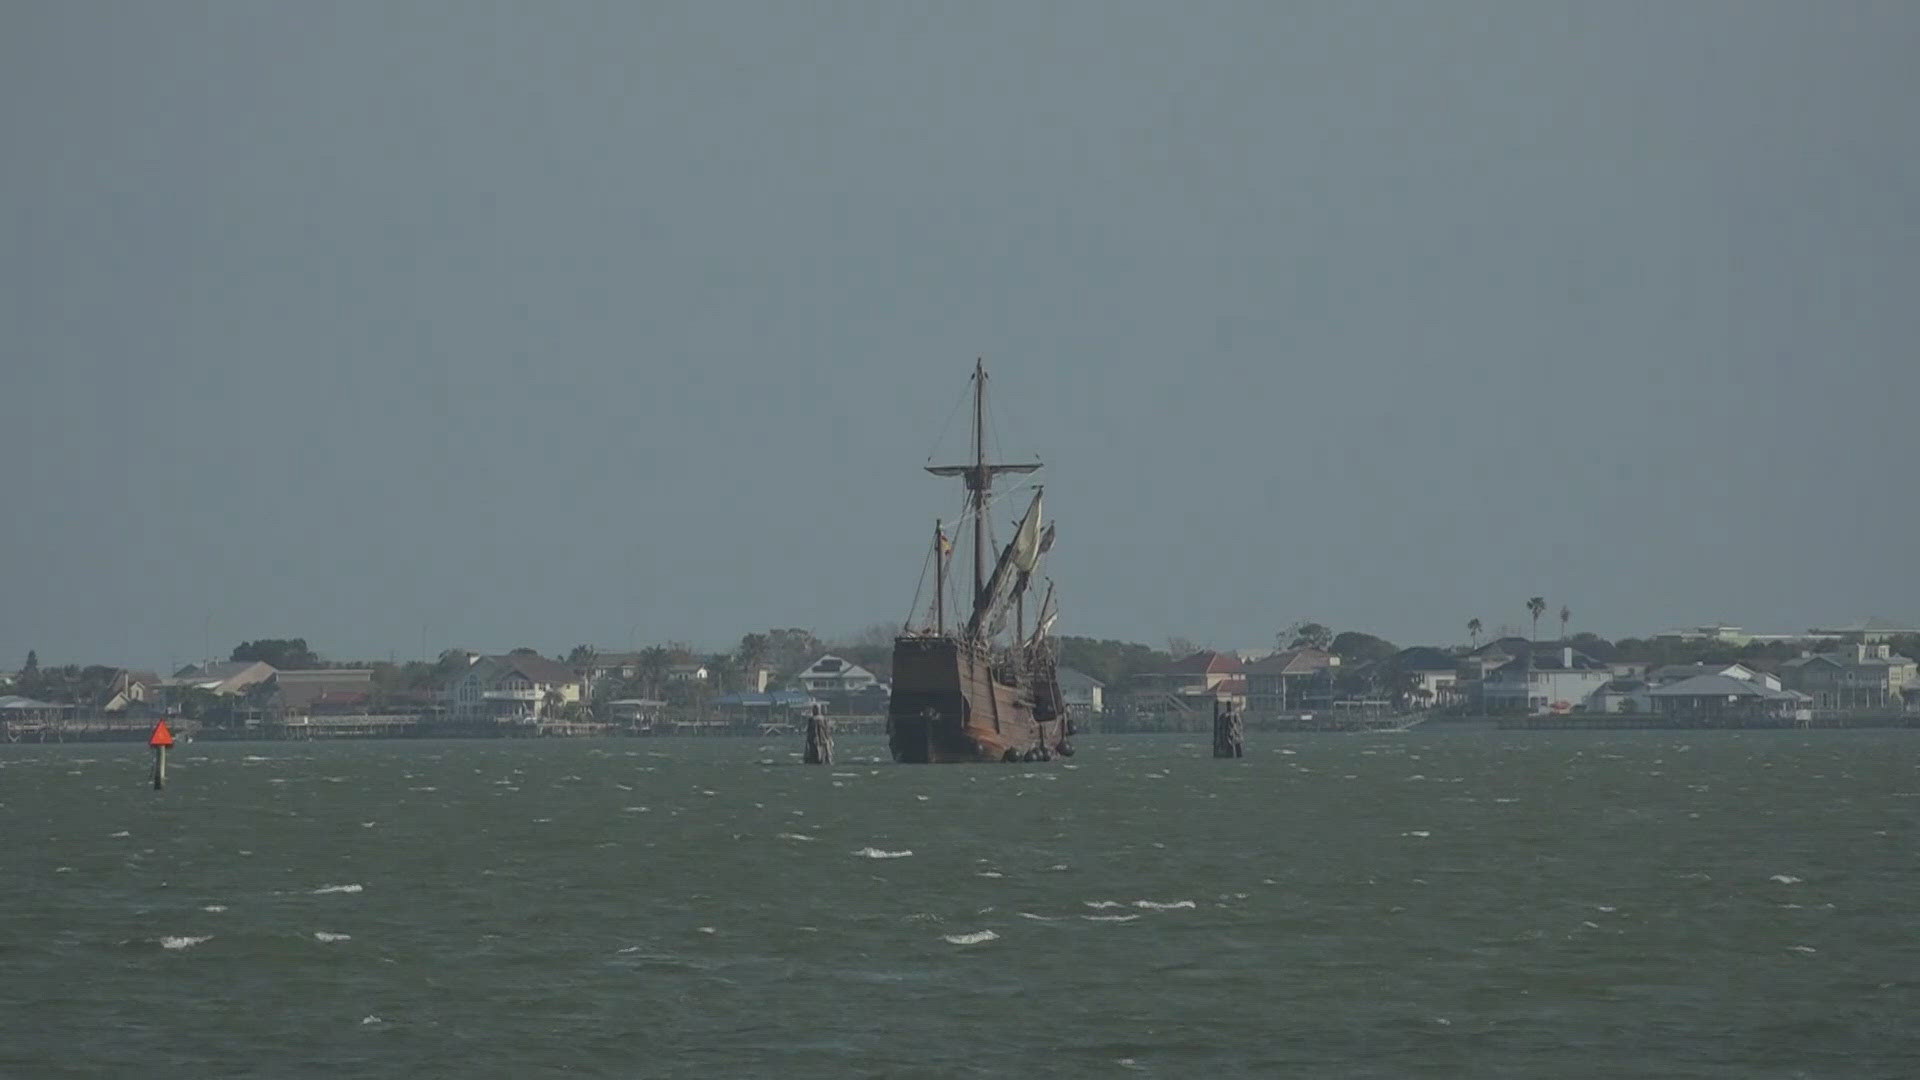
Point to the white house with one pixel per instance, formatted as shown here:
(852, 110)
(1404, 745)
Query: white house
(832, 675)
(1083, 694)
(1551, 679)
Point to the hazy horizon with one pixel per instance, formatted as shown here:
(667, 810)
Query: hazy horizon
(489, 326)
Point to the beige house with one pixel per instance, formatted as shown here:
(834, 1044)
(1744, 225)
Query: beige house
(1863, 676)
(1283, 682)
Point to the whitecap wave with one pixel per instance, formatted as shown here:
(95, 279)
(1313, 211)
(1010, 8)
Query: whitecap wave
(1109, 918)
(792, 836)
(324, 889)
(974, 938)
(214, 908)
(876, 853)
(1039, 918)
(1155, 905)
(1101, 903)
(370, 1019)
(1785, 879)
(183, 942)
(323, 935)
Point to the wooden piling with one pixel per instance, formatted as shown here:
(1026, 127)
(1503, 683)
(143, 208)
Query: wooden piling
(819, 737)
(1229, 732)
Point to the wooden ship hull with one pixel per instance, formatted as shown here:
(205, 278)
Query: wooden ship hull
(952, 704)
(977, 692)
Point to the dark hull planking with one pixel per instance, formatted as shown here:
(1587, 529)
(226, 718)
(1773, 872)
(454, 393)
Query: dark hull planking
(948, 706)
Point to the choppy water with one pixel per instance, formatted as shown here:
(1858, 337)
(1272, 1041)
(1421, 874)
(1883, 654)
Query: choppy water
(1488, 905)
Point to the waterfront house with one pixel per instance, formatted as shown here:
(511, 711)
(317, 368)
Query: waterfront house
(1288, 681)
(1543, 679)
(1621, 694)
(1428, 676)
(517, 686)
(1673, 673)
(1863, 676)
(833, 675)
(321, 692)
(1188, 689)
(766, 709)
(1082, 694)
(1717, 698)
(19, 709)
(130, 692)
(226, 677)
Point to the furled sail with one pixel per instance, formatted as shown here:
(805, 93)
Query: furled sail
(1017, 561)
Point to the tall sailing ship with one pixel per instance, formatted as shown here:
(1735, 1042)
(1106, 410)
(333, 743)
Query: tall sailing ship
(977, 683)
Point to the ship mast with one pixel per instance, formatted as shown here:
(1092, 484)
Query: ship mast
(979, 478)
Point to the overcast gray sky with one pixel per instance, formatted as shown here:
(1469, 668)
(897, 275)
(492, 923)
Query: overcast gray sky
(554, 323)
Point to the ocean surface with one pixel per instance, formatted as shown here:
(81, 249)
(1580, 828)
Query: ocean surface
(1491, 904)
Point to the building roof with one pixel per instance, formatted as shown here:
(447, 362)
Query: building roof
(1303, 661)
(1723, 686)
(1848, 660)
(1206, 662)
(1676, 672)
(1511, 645)
(1553, 658)
(836, 667)
(23, 704)
(1873, 625)
(1070, 679)
(537, 669)
(600, 661)
(217, 672)
(325, 686)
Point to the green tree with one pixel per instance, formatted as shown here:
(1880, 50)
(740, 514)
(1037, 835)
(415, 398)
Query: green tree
(1535, 606)
(1114, 663)
(286, 654)
(653, 663)
(1473, 631)
(32, 666)
(581, 655)
(1355, 648)
(1565, 614)
(1307, 635)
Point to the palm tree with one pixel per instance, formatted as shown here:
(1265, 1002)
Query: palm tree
(1535, 606)
(1473, 631)
(1564, 616)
